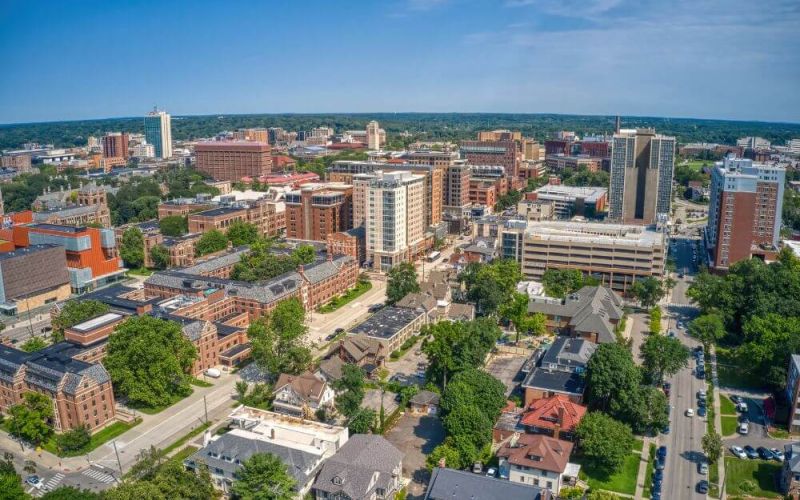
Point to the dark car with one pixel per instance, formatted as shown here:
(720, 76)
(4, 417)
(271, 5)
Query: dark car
(750, 452)
(665, 430)
(375, 308)
(702, 487)
(701, 411)
(743, 419)
(330, 337)
(764, 453)
(660, 463)
(338, 331)
(735, 399)
(658, 475)
(667, 388)
(662, 452)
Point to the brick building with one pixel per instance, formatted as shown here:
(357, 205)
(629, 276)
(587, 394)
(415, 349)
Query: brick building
(504, 153)
(115, 145)
(483, 192)
(184, 206)
(352, 242)
(31, 277)
(316, 210)
(233, 160)
(262, 213)
(559, 163)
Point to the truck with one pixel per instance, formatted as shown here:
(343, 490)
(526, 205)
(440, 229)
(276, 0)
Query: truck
(213, 373)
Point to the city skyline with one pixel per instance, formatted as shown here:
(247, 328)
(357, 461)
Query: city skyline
(425, 55)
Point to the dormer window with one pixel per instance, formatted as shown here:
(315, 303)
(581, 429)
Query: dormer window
(337, 481)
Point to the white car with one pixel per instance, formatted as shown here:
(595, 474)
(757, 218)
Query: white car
(738, 452)
(703, 468)
(35, 481)
(689, 412)
(744, 428)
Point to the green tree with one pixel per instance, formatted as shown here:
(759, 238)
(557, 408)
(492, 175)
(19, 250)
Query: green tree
(662, 357)
(263, 263)
(304, 254)
(75, 439)
(29, 420)
(74, 312)
(470, 423)
(174, 225)
(474, 387)
(132, 248)
(278, 341)
(712, 446)
(561, 282)
(446, 452)
(263, 476)
(655, 320)
(242, 233)
(769, 342)
(168, 353)
(211, 241)
(11, 483)
(515, 310)
(70, 493)
(453, 347)
(174, 481)
(648, 291)
(604, 442)
(708, 328)
(647, 411)
(402, 280)
(351, 390)
(491, 285)
(33, 344)
(159, 255)
(134, 490)
(362, 422)
(612, 378)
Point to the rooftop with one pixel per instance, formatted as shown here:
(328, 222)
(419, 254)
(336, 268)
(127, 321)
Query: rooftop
(97, 322)
(387, 322)
(23, 251)
(58, 227)
(595, 233)
(450, 484)
(214, 212)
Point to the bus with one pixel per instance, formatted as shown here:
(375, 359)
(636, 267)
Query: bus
(433, 256)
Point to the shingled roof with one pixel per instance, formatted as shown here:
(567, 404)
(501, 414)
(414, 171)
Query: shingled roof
(555, 411)
(592, 309)
(364, 464)
(538, 452)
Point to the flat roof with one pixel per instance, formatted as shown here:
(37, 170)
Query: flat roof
(594, 232)
(385, 323)
(58, 227)
(219, 211)
(21, 252)
(97, 322)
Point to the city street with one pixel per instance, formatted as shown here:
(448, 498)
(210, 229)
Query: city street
(322, 325)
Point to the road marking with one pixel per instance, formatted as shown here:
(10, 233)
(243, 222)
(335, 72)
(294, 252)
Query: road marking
(53, 482)
(99, 476)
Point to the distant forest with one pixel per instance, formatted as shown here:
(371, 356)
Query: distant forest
(424, 126)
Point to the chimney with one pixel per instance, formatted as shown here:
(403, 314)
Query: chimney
(206, 438)
(442, 463)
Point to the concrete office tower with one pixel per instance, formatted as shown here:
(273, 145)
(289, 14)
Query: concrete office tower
(641, 176)
(744, 212)
(158, 132)
(115, 145)
(373, 135)
(394, 218)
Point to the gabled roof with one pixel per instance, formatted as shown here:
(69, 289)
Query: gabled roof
(450, 484)
(554, 411)
(353, 469)
(358, 347)
(537, 451)
(591, 310)
(425, 398)
(792, 456)
(417, 300)
(306, 385)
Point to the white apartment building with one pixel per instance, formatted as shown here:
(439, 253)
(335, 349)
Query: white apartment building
(373, 135)
(394, 204)
(793, 145)
(143, 150)
(753, 143)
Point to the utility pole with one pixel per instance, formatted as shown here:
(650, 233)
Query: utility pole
(205, 408)
(119, 464)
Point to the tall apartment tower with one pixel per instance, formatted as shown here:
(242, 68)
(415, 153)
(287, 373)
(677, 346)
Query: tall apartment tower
(641, 176)
(744, 211)
(158, 132)
(394, 218)
(115, 145)
(373, 135)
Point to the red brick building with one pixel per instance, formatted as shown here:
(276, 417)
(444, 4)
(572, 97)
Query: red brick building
(233, 160)
(115, 145)
(316, 210)
(491, 153)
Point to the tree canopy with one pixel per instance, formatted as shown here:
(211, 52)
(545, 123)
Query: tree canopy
(211, 241)
(648, 291)
(561, 282)
(242, 233)
(515, 310)
(132, 247)
(29, 420)
(76, 311)
(174, 225)
(456, 346)
(350, 390)
(159, 255)
(263, 476)
(662, 357)
(166, 373)
(491, 285)
(263, 262)
(708, 328)
(278, 340)
(473, 387)
(402, 280)
(604, 441)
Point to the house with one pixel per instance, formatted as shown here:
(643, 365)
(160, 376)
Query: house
(538, 460)
(420, 301)
(592, 313)
(331, 368)
(301, 395)
(482, 250)
(424, 403)
(367, 467)
(559, 370)
(450, 484)
(358, 350)
(790, 473)
(556, 416)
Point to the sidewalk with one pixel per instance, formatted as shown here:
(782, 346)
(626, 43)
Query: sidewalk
(641, 477)
(717, 417)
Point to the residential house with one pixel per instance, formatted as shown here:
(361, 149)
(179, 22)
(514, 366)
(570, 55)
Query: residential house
(538, 460)
(301, 395)
(367, 467)
(592, 313)
(450, 484)
(559, 370)
(556, 416)
(424, 403)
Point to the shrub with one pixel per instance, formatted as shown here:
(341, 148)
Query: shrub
(74, 440)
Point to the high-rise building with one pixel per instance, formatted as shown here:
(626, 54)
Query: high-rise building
(394, 218)
(232, 160)
(158, 132)
(115, 145)
(252, 134)
(456, 184)
(744, 212)
(793, 145)
(753, 143)
(315, 210)
(373, 135)
(641, 176)
(504, 153)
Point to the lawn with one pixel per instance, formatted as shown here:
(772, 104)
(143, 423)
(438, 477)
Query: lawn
(623, 481)
(200, 383)
(729, 425)
(733, 374)
(142, 271)
(101, 437)
(638, 445)
(713, 480)
(698, 164)
(184, 454)
(648, 473)
(337, 302)
(158, 409)
(726, 405)
(186, 437)
(756, 478)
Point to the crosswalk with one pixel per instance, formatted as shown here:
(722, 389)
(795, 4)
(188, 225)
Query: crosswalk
(53, 482)
(99, 476)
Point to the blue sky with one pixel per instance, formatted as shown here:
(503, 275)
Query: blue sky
(733, 59)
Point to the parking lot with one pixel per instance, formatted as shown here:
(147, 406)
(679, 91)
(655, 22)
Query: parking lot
(416, 437)
(409, 365)
(505, 368)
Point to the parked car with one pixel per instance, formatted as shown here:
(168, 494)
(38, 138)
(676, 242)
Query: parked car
(742, 407)
(764, 453)
(491, 472)
(34, 481)
(661, 462)
(658, 475)
(701, 395)
(701, 411)
(338, 331)
(661, 452)
(477, 467)
(744, 428)
(750, 452)
(777, 454)
(689, 412)
(735, 399)
(702, 468)
(702, 486)
(738, 452)
(375, 308)
(330, 337)
(667, 388)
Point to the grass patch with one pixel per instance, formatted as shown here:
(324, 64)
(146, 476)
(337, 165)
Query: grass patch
(99, 438)
(729, 425)
(732, 373)
(648, 473)
(622, 481)
(147, 410)
(186, 437)
(184, 454)
(638, 445)
(757, 478)
(779, 433)
(726, 406)
(200, 383)
(142, 271)
(713, 480)
(337, 302)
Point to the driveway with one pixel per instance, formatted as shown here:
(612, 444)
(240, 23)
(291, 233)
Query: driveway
(506, 369)
(416, 437)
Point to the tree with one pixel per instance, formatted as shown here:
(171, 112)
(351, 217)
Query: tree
(33, 344)
(305, 254)
(174, 481)
(612, 378)
(708, 328)
(446, 452)
(74, 312)
(134, 490)
(11, 483)
(474, 387)
(648, 291)
(211, 242)
(561, 282)
(70, 493)
(159, 255)
(604, 441)
(174, 225)
(769, 342)
(362, 422)
(491, 285)
(662, 357)
(74, 439)
(469, 423)
(350, 390)
(452, 347)
(132, 248)
(277, 341)
(263, 476)
(168, 353)
(647, 411)
(242, 233)
(241, 387)
(712, 446)
(655, 320)
(29, 419)
(402, 280)
(263, 263)
(516, 311)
